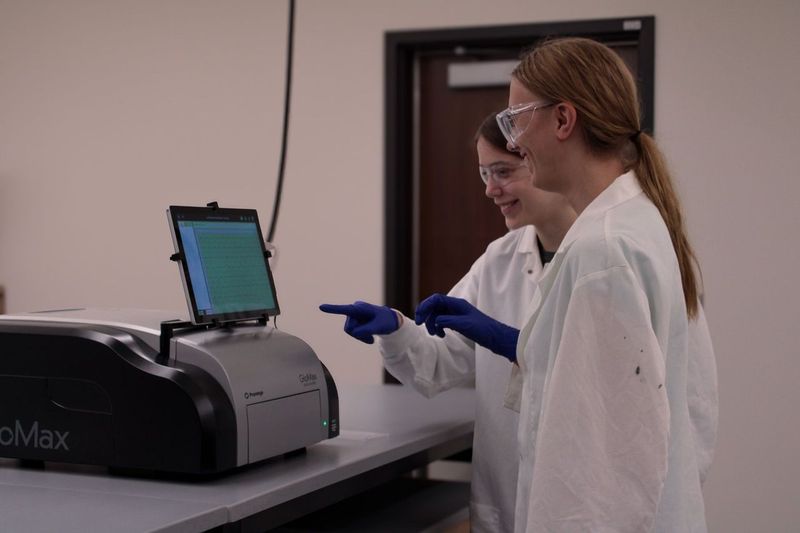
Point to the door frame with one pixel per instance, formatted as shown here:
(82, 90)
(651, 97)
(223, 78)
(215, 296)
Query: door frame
(400, 50)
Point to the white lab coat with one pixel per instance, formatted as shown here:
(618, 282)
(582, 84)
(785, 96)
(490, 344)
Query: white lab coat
(500, 283)
(703, 392)
(606, 440)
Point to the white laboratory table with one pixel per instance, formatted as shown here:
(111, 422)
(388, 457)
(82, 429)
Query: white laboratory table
(387, 430)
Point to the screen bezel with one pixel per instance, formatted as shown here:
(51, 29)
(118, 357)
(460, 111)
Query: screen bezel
(218, 213)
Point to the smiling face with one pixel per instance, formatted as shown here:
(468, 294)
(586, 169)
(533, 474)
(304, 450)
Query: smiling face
(519, 201)
(534, 144)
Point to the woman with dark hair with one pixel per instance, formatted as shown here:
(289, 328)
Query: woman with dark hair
(500, 283)
(616, 380)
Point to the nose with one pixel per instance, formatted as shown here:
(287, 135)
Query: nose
(492, 189)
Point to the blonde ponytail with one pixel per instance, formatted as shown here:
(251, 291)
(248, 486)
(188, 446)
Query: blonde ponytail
(655, 180)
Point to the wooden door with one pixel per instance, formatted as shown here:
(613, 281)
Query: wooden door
(456, 221)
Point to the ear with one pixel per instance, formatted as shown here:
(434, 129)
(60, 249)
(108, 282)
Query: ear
(566, 120)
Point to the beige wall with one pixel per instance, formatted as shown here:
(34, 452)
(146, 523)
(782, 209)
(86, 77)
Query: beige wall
(110, 111)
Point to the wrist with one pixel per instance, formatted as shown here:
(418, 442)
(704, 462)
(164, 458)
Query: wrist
(399, 317)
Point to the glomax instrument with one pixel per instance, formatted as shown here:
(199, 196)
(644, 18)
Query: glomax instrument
(139, 389)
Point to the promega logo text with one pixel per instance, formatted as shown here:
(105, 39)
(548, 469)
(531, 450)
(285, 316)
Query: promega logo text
(33, 437)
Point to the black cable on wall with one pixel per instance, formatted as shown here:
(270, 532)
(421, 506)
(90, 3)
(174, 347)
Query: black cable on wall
(287, 101)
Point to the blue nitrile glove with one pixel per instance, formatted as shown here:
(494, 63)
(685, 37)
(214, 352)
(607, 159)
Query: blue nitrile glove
(440, 311)
(365, 320)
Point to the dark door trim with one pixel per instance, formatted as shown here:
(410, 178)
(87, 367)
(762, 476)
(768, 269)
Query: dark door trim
(400, 50)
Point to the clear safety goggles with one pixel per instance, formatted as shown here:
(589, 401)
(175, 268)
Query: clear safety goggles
(501, 173)
(514, 120)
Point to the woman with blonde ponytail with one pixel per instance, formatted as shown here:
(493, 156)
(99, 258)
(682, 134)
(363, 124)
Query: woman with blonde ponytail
(606, 434)
(615, 380)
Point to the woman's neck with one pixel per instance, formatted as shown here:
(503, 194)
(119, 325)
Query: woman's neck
(590, 179)
(551, 232)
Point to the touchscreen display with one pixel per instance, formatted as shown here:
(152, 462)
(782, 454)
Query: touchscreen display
(224, 267)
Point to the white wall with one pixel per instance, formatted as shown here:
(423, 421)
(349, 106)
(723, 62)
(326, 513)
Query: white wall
(110, 111)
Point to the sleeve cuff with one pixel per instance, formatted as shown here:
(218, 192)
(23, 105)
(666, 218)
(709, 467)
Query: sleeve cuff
(396, 344)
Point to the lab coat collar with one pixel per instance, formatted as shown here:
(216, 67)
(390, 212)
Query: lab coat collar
(622, 189)
(527, 244)
(529, 247)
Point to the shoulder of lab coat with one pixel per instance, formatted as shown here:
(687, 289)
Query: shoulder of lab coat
(637, 248)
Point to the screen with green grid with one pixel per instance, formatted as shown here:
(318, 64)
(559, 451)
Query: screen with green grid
(227, 267)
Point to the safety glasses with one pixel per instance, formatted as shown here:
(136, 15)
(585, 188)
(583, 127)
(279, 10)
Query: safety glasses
(514, 121)
(501, 173)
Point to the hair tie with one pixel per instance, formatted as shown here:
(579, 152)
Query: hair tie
(635, 136)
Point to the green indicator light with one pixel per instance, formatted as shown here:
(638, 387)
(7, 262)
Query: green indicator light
(324, 422)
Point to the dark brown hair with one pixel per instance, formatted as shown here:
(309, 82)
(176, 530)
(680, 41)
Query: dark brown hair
(490, 131)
